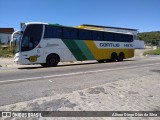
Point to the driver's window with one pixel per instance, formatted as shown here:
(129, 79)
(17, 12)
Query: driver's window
(25, 42)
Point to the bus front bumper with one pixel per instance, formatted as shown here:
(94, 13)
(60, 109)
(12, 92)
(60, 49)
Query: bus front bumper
(17, 58)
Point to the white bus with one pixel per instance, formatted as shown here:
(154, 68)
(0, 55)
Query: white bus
(49, 44)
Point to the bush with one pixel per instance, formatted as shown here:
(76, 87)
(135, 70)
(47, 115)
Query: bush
(6, 51)
(152, 52)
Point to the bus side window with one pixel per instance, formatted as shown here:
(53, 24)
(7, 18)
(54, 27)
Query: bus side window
(85, 35)
(125, 38)
(52, 32)
(97, 36)
(69, 33)
(130, 38)
(117, 37)
(108, 36)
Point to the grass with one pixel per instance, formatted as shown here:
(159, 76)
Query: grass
(152, 52)
(6, 52)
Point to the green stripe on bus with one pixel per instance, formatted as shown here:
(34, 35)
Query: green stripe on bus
(84, 49)
(75, 50)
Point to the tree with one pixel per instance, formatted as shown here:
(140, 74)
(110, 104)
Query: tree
(150, 37)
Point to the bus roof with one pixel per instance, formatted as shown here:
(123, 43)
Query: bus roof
(88, 25)
(36, 23)
(83, 26)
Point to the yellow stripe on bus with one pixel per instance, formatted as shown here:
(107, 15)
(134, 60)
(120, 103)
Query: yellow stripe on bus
(100, 53)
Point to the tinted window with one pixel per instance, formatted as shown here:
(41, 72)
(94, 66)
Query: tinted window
(31, 37)
(97, 35)
(117, 37)
(85, 34)
(52, 32)
(108, 36)
(127, 38)
(69, 33)
(130, 38)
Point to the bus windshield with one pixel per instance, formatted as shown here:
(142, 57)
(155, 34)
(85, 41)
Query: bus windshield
(31, 37)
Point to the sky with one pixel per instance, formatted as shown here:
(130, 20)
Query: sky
(143, 15)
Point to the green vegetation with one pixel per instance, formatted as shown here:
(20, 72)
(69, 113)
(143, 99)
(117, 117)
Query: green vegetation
(150, 38)
(152, 52)
(6, 51)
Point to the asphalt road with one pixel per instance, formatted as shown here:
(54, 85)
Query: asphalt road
(27, 83)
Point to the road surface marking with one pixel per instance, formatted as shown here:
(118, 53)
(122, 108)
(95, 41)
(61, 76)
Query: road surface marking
(76, 73)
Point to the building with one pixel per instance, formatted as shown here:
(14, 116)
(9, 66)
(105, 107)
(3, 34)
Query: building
(5, 35)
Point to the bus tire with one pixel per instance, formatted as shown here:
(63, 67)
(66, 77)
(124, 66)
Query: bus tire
(52, 60)
(114, 57)
(121, 56)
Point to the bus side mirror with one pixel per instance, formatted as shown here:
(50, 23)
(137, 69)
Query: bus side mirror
(13, 42)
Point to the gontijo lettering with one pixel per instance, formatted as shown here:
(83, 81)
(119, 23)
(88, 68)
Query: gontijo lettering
(109, 45)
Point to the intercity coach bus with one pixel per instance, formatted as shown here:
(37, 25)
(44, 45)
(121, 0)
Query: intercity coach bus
(49, 44)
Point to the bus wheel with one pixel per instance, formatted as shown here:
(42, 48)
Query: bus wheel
(121, 56)
(52, 61)
(100, 61)
(114, 57)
